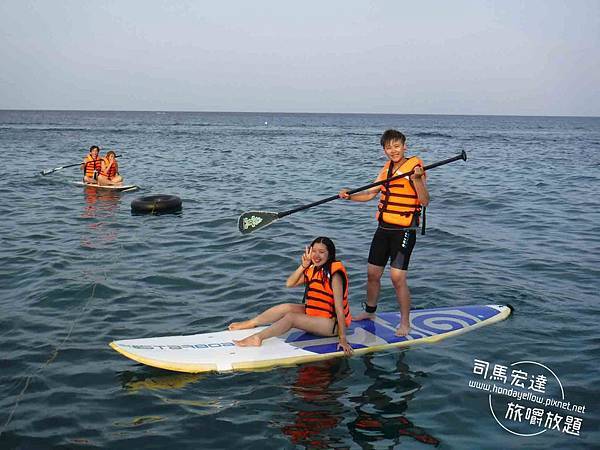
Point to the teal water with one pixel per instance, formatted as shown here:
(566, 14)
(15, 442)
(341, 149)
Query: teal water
(518, 224)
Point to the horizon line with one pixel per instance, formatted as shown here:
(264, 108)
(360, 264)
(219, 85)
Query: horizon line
(292, 112)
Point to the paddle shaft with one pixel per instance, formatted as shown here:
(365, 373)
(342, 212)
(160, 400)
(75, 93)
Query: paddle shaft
(47, 172)
(462, 155)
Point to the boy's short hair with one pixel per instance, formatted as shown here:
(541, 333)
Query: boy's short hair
(392, 135)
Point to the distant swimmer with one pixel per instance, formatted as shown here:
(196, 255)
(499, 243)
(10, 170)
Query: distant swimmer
(325, 311)
(109, 174)
(92, 164)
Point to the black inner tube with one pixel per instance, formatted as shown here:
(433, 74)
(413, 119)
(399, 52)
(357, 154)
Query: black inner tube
(159, 203)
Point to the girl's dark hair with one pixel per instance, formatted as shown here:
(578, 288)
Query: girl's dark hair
(330, 247)
(392, 135)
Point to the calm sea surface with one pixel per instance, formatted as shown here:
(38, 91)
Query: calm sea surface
(518, 223)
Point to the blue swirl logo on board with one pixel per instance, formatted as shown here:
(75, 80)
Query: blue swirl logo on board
(436, 323)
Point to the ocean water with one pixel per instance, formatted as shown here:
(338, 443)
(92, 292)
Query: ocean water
(518, 224)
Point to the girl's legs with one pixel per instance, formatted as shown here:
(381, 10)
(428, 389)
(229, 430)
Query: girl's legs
(104, 181)
(315, 325)
(271, 315)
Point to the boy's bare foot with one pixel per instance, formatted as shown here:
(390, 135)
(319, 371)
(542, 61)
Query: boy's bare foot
(364, 315)
(241, 325)
(250, 341)
(403, 329)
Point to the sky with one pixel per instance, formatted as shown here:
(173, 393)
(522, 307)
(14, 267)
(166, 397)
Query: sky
(524, 57)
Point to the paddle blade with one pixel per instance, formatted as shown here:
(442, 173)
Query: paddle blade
(253, 220)
(49, 171)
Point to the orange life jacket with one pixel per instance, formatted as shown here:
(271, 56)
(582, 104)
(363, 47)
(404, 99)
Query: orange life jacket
(319, 293)
(113, 169)
(92, 165)
(399, 203)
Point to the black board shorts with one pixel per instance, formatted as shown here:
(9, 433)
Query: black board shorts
(392, 244)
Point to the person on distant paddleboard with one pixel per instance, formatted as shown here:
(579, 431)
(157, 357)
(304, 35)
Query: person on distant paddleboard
(92, 164)
(325, 310)
(398, 215)
(109, 174)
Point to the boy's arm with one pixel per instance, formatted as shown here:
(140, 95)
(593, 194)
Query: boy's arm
(363, 196)
(358, 197)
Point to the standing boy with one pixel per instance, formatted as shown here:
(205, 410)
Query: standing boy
(398, 216)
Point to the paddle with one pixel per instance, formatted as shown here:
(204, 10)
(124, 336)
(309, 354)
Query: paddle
(254, 220)
(49, 171)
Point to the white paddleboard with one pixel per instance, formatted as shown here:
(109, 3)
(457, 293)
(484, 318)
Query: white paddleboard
(216, 351)
(121, 188)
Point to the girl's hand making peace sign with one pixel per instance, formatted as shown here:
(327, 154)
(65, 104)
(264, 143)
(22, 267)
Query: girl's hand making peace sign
(306, 257)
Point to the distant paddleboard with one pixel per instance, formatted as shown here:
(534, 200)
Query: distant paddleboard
(122, 188)
(216, 351)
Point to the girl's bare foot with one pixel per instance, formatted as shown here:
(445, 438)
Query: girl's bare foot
(241, 325)
(250, 341)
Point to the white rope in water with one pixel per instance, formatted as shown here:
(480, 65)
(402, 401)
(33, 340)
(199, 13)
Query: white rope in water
(48, 361)
(115, 256)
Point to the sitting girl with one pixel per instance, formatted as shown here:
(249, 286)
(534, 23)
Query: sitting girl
(109, 175)
(325, 310)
